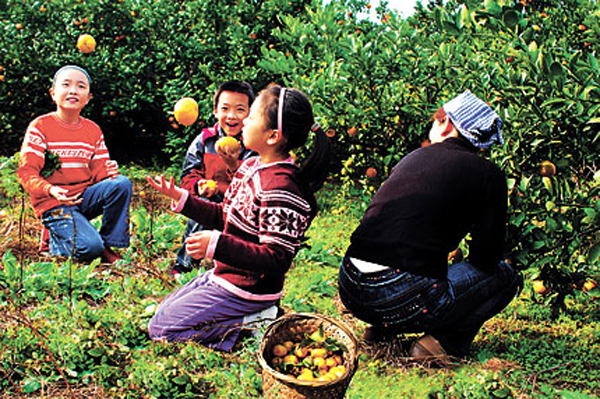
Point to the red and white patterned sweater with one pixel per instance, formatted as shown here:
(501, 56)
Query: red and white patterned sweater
(262, 220)
(81, 150)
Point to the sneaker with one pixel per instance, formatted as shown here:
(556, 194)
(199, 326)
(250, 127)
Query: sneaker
(110, 256)
(255, 321)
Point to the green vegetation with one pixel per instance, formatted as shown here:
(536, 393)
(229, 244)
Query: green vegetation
(69, 328)
(80, 329)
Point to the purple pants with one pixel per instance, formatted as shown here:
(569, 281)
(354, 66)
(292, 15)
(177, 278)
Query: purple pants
(204, 312)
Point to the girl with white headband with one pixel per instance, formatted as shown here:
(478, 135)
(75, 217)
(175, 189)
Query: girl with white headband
(257, 230)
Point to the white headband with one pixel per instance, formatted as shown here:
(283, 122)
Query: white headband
(280, 110)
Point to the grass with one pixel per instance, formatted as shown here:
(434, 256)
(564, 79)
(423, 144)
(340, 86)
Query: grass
(78, 330)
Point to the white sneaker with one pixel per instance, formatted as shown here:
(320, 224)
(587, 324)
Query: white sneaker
(264, 316)
(255, 323)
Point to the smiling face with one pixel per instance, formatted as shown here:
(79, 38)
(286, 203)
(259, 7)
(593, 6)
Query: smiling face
(71, 90)
(231, 110)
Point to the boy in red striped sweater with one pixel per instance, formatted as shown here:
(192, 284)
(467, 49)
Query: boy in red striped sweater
(86, 185)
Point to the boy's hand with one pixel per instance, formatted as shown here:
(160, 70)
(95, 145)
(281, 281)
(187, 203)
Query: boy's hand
(197, 244)
(112, 168)
(207, 188)
(61, 195)
(167, 188)
(230, 157)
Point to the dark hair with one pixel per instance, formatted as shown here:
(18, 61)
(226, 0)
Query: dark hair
(235, 86)
(297, 122)
(439, 115)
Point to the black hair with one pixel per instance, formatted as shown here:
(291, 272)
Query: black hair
(235, 86)
(297, 122)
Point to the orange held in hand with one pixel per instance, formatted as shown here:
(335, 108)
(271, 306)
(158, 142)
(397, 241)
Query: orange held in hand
(228, 144)
(186, 111)
(86, 43)
(208, 184)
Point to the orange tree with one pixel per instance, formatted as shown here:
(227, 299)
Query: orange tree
(377, 84)
(147, 57)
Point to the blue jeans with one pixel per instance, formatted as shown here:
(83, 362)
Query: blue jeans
(71, 232)
(183, 259)
(452, 309)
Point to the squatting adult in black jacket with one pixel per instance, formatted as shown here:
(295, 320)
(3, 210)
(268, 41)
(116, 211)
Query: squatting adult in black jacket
(396, 275)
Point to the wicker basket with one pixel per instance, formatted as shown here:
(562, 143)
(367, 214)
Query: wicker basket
(293, 327)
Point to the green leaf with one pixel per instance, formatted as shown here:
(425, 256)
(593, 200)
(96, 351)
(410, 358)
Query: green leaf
(555, 71)
(594, 253)
(511, 18)
(547, 183)
(30, 385)
(465, 17)
(181, 379)
(492, 7)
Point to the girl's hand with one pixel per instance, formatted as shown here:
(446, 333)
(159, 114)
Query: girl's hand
(230, 157)
(167, 188)
(112, 168)
(61, 195)
(197, 244)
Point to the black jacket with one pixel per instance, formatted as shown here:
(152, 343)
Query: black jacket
(433, 197)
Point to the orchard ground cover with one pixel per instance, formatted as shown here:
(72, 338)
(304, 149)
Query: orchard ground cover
(374, 85)
(78, 330)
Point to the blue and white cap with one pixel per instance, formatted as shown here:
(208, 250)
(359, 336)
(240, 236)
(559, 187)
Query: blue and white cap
(475, 120)
(80, 69)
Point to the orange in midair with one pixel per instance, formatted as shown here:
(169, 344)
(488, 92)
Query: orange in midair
(186, 111)
(86, 43)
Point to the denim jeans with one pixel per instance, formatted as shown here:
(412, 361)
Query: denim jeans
(452, 309)
(71, 224)
(183, 259)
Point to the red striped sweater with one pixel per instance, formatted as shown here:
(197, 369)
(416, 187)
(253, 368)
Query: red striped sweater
(263, 218)
(81, 150)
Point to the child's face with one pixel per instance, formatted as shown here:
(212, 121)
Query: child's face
(231, 111)
(255, 133)
(71, 90)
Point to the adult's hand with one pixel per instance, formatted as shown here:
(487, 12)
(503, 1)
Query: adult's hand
(61, 194)
(168, 188)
